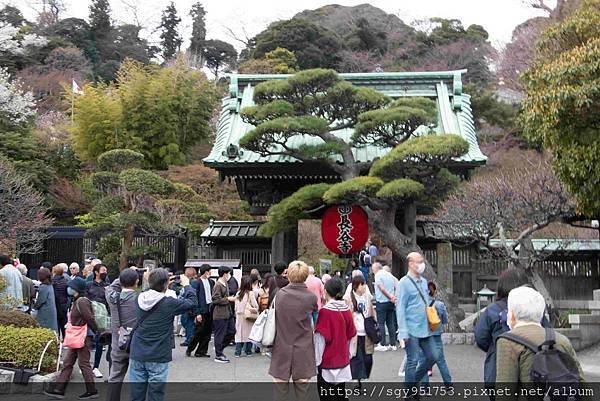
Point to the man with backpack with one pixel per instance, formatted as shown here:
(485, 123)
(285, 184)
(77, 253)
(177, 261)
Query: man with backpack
(531, 357)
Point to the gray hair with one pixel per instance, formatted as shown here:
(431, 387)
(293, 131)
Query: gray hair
(376, 267)
(356, 273)
(74, 264)
(22, 268)
(158, 279)
(96, 262)
(526, 304)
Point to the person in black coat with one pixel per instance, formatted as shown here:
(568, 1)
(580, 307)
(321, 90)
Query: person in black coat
(493, 322)
(96, 291)
(61, 298)
(203, 314)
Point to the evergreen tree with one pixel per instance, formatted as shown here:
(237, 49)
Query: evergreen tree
(170, 38)
(100, 23)
(219, 55)
(198, 15)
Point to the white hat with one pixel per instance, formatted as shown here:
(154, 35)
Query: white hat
(96, 262)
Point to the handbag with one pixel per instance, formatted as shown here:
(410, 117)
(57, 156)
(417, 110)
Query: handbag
(75, 335)
(269, 333)
(258, 329)
(371, 325)
(250, 311)
(432, 316)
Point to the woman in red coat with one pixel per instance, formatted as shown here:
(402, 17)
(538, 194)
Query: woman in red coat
(333, 332)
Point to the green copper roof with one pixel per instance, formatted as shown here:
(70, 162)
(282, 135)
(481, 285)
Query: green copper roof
(454, 115)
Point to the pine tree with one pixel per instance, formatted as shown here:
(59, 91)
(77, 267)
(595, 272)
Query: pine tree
(100, 23)
(198, 38)
(170, 38)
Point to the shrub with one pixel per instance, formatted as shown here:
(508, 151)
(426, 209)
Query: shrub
(25, 346)
(17, 319)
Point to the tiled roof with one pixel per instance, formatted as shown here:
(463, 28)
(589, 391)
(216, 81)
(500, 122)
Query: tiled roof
(454, 114)
(231, 229)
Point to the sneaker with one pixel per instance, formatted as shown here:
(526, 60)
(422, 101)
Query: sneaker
(87, 395)
(268, 354)
(236, 355)
(55, 394)
(188, 353)
(97, 373)
(381, 348)
(221, 359)
(393, 348)
(400, 373)
(202, 355)
(249, 354)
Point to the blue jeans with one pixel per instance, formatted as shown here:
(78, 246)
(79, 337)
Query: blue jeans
(441, 360)
(417, 365)
(247, 347)
(386, 316)
(189, 325)
(148, 378)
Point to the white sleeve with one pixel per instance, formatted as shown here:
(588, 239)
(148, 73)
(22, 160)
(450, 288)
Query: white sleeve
(319, 347)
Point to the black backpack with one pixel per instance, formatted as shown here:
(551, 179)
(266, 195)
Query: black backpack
(554, 372)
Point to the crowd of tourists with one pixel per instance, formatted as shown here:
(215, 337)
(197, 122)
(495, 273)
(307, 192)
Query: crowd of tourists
(329, 327)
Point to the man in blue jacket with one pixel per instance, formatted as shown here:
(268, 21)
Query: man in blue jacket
(153, 341)
(411, 310)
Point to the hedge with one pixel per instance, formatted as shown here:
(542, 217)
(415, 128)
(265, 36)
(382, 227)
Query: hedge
(25, 346)
(17, 319)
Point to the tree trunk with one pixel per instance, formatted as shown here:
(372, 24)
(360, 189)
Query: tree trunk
(525, 261)
(127, 244)
(381, 221)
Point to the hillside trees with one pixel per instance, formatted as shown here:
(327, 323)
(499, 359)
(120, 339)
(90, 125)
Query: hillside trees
(160, 112)
(219, 55)
(198, 37)
(562, 103)
(318, 104)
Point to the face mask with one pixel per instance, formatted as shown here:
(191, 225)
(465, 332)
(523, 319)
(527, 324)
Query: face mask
(71, 291)
(421, 267)
(102, 276)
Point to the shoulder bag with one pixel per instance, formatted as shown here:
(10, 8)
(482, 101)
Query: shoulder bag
(371, 325)
(75, 335)
(432, 316)
(251, 309)
(125, 342)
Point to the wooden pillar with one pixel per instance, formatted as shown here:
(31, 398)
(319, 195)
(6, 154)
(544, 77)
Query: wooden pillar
(284, 247)
(444, 265)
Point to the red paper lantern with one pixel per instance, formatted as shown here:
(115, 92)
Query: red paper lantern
(345, 229)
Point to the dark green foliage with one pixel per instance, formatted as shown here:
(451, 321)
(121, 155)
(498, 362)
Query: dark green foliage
(25, 346)
(118, 160)
(400, 189)
(12, 16)
(17, 319)
(100, 22)
(365, 37)
(486, 107)
(144, 181)
(417, 153)
(108, 248)
(170, 37)
(560, 110)
(219, 55)
(198, 37)
(285, 215)
(313, 46)
(352, 190)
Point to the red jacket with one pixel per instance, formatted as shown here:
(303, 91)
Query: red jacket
(336, 325)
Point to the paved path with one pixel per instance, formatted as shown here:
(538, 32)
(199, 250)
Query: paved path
(465, 362)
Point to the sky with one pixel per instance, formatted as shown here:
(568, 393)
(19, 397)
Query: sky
(498, 17)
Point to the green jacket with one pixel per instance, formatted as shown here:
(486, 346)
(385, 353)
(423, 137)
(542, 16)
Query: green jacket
(513, 361)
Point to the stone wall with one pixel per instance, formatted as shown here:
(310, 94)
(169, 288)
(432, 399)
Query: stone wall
(585, 328)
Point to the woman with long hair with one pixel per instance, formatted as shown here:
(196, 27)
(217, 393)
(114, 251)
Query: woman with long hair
(360, 302)
(246, 312)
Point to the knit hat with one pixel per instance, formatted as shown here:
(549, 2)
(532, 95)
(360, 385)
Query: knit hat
(77, 284)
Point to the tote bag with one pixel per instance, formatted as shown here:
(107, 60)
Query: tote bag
(75, 335)
(258, 328)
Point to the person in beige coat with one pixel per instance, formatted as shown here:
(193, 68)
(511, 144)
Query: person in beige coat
(359, 299)
(246, 311)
